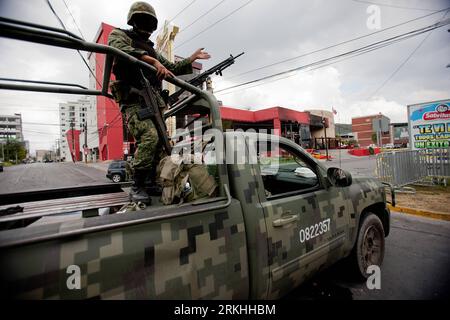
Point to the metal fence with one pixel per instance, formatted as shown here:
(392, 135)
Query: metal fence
(409, 166)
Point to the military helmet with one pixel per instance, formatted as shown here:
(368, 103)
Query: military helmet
(140, 7)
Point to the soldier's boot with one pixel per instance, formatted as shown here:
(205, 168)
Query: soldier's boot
(138, 193)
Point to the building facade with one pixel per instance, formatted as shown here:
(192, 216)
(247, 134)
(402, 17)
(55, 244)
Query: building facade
(369, 129)
(11, 128)
(73, 116)
(305, 128)
(41, 155)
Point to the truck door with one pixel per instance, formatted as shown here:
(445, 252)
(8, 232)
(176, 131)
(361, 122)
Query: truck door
(306, 222)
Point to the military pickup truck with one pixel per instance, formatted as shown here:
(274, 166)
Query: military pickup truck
(274, 223)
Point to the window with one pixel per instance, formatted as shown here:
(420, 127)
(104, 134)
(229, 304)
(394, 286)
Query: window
(283, 171)
(63, 114)
(115, 165)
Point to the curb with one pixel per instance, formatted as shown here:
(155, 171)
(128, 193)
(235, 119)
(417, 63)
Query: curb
(422, 213)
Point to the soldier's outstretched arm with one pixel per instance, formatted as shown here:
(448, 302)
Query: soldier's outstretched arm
(178, 68)
(184, 66)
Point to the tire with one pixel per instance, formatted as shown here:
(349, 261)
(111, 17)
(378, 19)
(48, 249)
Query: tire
(116, 178)
(369, 248)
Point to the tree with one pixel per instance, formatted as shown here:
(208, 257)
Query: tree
(13, 148)
(374, 138)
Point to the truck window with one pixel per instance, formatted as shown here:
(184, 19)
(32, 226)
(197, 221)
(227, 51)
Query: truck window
(284, 172)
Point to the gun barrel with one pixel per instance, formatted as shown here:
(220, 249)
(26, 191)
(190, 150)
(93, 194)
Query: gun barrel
(240, 54)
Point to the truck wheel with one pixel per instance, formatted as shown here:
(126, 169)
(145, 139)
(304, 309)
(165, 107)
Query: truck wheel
(369, 248)
(116, 178)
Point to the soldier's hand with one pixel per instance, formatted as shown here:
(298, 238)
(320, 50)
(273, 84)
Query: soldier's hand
(161, 71)
(200, 54)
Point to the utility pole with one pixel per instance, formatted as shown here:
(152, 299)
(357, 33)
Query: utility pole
(58, 151)
(380, 137)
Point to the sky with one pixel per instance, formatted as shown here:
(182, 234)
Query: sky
(268, 31)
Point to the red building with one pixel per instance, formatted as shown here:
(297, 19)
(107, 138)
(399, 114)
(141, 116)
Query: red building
(367, 128)
(73, 140)
(303, 127)
(109, 117)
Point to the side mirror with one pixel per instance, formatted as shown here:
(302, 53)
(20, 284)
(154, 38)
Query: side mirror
(339, 177)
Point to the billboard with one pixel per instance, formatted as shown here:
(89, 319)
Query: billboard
(429, 125)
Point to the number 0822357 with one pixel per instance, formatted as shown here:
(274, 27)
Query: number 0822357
(314, 230)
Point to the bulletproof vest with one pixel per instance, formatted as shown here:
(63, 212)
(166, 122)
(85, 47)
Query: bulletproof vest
(129, 73)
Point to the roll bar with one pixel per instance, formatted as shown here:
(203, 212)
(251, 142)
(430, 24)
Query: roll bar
(36, 33)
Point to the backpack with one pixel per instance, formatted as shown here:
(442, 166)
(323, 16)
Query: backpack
(184, 182)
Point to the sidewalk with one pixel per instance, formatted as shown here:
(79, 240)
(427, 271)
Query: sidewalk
(430, 201)
(100, 165)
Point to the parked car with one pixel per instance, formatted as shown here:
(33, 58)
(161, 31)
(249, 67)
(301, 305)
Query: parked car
(117, 171)
(1, 166)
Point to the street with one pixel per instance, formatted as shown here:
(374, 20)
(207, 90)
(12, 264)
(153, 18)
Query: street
(364, 166)
(416, 266)
(38, 176)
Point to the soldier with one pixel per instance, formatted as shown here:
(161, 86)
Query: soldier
(136, 42)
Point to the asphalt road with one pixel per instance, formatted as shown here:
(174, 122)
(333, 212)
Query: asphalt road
(416, 266)
(38, 176)
(364, 166)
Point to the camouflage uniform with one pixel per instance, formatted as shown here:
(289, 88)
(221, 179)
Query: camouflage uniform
(128, 75)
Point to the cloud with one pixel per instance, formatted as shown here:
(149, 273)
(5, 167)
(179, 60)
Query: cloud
(300, 90)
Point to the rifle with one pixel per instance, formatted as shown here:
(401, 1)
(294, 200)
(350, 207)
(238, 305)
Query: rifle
(198, 80)
(151, 111)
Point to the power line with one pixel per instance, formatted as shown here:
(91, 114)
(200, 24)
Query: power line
(334, 45)
(52, 124)
(73, 18)
(367, 48)
(312, 69)
(206, 13)
(182, 10)
(406, 60)
(212, 25)
(393, 6)
(82, 36)
(64, 27)
(176, 15)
